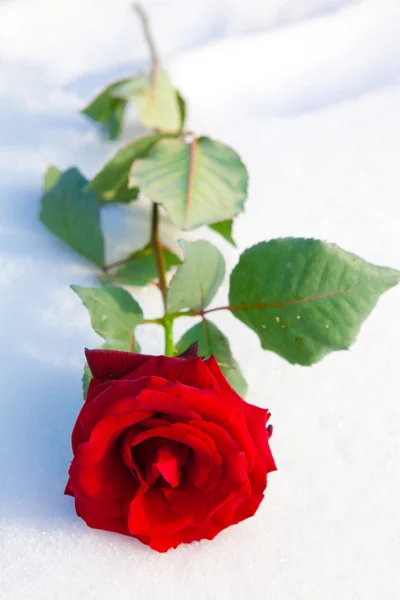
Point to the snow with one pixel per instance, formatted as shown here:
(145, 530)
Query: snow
(309, 93)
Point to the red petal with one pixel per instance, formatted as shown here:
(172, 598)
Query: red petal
(168, 466)
(181, 433)
(191, 352)
(113, 364)
(150, 515)
(185, 536)
(105, 435)
(115, 394)
(117, 525)
(162, 402)
(189, 371)
(248, 508)
(105, 480)
(212, 407)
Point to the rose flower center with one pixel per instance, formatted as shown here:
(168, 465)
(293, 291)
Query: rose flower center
(160, 461)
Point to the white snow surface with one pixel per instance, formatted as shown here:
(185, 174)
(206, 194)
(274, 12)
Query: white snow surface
(308, 91)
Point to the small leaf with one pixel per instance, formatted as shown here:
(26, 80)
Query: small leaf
(158, 105)
(111, 183)
(72, 214)
(86, 378)
(198, 183)
(195, 283)
(305, 298)
(182, 109)
(224, 228)
(114, 314)
(108, 109)
(212, 341)
(141, 268)
(51, 177)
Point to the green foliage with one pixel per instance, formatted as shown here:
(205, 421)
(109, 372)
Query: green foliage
(108, 109)
(199, 183)
(51, 177)
(212, 341)
(305, 298)
(111, 183)
(72, 214)
(159, 105)
(182, 109)
(224, 228)
(86, 378)
(195, 283)
(114, 314)
(141, 268)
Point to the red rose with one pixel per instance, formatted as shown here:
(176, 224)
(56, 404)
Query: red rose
(165, 450)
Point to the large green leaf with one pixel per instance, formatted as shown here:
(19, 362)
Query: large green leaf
(72, 214)
(199, 183)
(224, 228)
(114, 314)
(158, 104)
(194, 284)
(111, 183)
(305, 298)
(141, 268)
(212, 341)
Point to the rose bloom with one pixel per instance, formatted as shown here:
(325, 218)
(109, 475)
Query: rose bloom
(165, 450)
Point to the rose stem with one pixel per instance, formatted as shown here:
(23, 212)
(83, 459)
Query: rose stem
(167, 321)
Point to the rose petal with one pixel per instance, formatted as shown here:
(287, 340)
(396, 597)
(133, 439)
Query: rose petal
(163, 402)
(247, 508)
(116, 525)
(256, 417)
(105, 435)
(118, 397)
(189, 371)
(96, 387)
(185, 536)
(113, 364)
(184, 434)
(103, 480)
(215, 409)
(150, 515)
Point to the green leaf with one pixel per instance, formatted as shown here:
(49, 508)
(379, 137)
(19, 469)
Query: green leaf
(224, 228)
(195, 283)
(305, 298)
(108, 109)
(212, 341)
(114, 314)
(72, 214)
(51, 177)
(182, 109)
(199, 183)
(141, 268)
(86, 378)
(158, 105)
(157, 102)
(111, 183)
